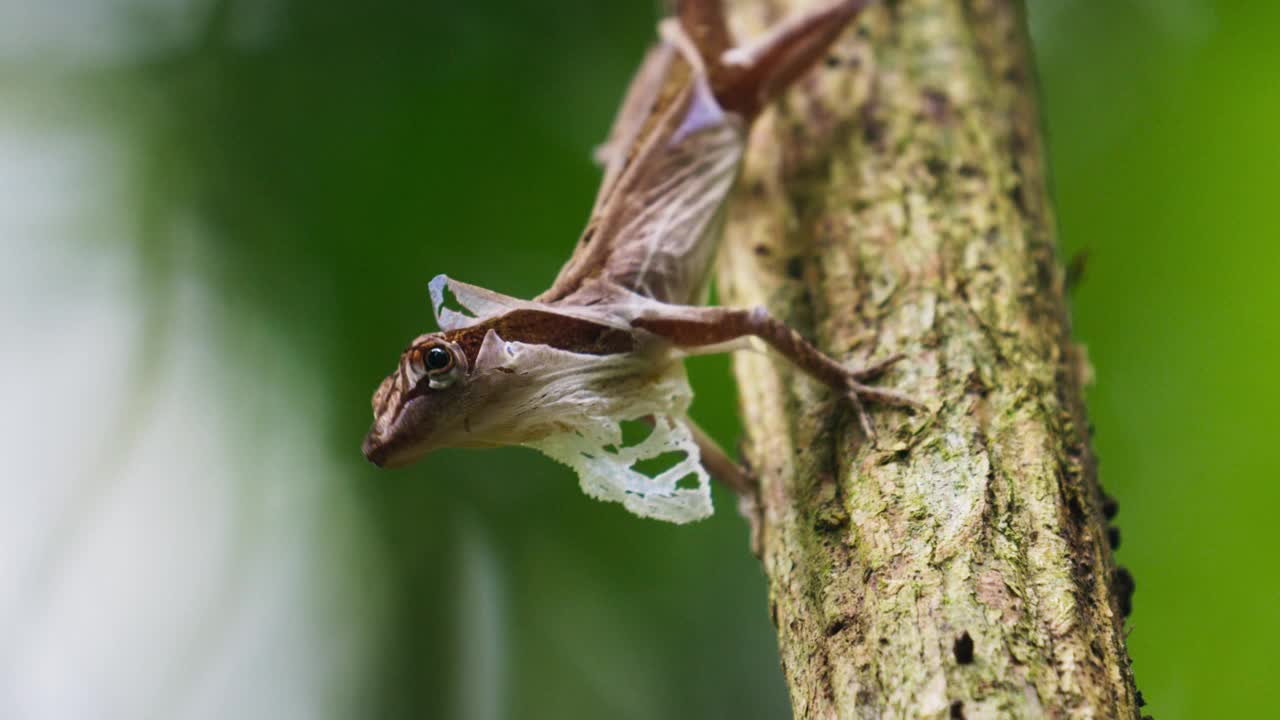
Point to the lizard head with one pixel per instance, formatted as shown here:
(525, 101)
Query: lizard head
(467, 389)
(562, 384)
(429, 384)
(551, 371)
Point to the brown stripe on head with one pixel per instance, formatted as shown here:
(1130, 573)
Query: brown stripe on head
(387, 397)
(541, 327)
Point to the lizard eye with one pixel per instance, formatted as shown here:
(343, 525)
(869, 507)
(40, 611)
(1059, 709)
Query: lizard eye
(438, 359)
(436, 362)
(430, 361)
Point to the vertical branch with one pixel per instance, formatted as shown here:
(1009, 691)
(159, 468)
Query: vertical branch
(896, 202)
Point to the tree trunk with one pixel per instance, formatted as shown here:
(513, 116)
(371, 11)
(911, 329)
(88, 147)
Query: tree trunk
(897, 202)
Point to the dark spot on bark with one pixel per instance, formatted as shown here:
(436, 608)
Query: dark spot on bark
(872, 127)
(1017, 144)
(935, 166)
(1122, 586)
(976, 385)
(864, 698)
(762, 250)
(993, 234)
(963, 648)
(773, 613)
(967, 170)
(863, 31)
(1076, 510)
(1015, 196)
(586, 236)
(873, 132)
(1045, 273)
(1013, 75)
(1113, 537)
(1109, 506)
(757, 189)
(833, 61)
(1088, 583)
(937, 105)
(507, 370)
(795, 267)
(836, 626)
(957, 710)
(1141, 701)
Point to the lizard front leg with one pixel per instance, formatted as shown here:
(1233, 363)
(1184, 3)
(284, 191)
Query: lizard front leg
(690, 328)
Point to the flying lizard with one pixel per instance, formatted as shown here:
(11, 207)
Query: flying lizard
(605, 344)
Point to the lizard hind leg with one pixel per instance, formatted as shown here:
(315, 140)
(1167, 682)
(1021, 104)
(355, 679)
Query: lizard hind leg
(704, 22)
(735, 476)
(747, 77)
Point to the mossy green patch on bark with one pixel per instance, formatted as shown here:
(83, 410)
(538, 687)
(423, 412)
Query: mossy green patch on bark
(896, 202)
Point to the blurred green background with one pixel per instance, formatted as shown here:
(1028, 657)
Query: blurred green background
(218, 221)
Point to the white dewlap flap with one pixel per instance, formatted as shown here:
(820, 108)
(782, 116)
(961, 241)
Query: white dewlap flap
(572, 406)
(606, 469)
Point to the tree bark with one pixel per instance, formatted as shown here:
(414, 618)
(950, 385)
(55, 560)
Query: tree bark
(897, 202)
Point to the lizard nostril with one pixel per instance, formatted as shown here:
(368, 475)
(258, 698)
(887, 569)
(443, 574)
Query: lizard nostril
(373, 448)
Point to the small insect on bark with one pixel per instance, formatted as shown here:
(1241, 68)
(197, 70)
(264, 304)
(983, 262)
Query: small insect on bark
(605, 344)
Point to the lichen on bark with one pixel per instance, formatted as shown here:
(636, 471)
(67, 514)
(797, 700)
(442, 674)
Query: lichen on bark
(897, 202)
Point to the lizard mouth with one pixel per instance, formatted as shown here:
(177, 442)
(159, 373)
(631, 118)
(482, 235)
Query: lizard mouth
(376, 449)
(401, 440)
(386, 450)
(387, 453)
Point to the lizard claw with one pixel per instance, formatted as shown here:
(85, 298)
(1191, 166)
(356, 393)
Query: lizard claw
(872, 372)
(858, 392)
